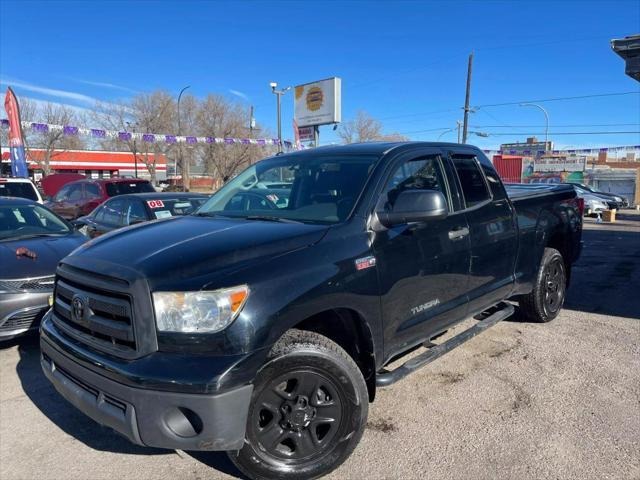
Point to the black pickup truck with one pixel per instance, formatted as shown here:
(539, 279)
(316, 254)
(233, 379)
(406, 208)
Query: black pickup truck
(262, 324)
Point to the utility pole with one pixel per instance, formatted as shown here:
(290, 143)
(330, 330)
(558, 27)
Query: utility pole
(458, 124)
(279, 93)
(466, 101)
(185, 171)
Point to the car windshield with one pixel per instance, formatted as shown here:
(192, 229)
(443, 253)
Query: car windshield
(18, 189)
(122, 188)
(23, 221)
(313, 189)
(171, 207)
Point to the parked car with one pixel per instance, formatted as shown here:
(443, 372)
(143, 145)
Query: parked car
(612, 200)
(32, 242)
(258, 199)
(79, 198)
(20, 188)
(265, 332)
(125, 210)
(51, 184)
(593, 203)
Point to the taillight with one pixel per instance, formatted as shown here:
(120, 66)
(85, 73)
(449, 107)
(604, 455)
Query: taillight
(580, 205)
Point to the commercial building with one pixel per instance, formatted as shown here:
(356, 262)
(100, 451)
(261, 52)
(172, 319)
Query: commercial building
(629, 49)
(93, 164)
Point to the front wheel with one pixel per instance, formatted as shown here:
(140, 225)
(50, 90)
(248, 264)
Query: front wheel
(544, 303)
(308, 411)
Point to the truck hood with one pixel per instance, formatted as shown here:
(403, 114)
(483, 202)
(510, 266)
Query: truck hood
(189, 247)
(49, 251)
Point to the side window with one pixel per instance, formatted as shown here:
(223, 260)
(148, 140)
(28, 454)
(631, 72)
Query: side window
(92, 190)
(62, 194)
(75, 192)
(134, 212)
(474, 187)
(113, 212)
(99, 215)
(423, 173)
(495, 184)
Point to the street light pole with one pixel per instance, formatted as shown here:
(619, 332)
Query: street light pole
(279, 94)
(546, 118)
(175, 169)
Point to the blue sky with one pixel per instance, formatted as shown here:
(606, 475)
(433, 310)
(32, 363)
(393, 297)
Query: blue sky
(403, 62)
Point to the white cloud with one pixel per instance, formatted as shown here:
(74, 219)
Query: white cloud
(104, 85)
(238, 93)
(51, 92)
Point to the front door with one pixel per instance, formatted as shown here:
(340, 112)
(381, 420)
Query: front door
(423, 267)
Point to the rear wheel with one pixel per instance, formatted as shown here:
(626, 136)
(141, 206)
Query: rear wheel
(544, 303)
(308, 411)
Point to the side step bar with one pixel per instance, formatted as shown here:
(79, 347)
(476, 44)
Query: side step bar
(386, 378)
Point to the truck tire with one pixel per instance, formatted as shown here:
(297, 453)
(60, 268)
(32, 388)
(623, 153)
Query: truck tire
(308, 411)
(547, 297)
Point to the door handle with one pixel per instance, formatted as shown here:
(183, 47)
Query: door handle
(458, 233)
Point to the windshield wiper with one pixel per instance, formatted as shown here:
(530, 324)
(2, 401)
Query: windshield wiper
(34, 235)
(270, 218)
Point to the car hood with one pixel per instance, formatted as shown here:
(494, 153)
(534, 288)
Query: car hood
(49, 251)
(189, 247)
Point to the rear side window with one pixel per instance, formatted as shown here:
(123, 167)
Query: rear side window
(135, 212)
(92, 190)
(121, 188)
(18, 189)
(113, 212)
(474, 187)
(75, 192)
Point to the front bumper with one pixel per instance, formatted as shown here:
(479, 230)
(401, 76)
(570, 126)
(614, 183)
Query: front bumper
(21, 312)
(153, 418)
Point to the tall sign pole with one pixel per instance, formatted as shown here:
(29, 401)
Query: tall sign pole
(16, 139)
(466, 101)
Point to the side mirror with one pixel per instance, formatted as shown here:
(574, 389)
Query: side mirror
(77, 224)
(415, 206)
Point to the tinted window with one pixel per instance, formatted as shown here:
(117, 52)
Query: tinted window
(75, 192)
(92, 190)
(417, 174)
(171, 207)
(135, 212)
(18, 189)
(473, 185)
(29, 220)
(497, 190)
(121, 188)
(62, 194)
(113, 212)
(99, 214)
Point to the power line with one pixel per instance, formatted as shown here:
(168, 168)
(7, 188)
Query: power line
(564, 126)
(613, 94)
(562, 133)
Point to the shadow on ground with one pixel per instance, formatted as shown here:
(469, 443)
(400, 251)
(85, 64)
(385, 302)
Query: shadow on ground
(76, 424)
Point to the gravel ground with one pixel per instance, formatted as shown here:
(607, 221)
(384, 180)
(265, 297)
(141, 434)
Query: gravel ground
(522, 400)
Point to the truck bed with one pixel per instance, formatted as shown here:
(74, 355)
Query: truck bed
(521, 191)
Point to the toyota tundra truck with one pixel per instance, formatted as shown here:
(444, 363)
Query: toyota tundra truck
(263, 324)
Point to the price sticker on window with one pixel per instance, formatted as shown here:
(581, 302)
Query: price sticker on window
(155, 203)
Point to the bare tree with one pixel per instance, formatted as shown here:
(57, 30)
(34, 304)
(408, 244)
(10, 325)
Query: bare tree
(365, 128)
(52, 141)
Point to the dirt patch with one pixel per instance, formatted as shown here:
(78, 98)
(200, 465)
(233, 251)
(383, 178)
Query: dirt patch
(383, 425)
(449, 378)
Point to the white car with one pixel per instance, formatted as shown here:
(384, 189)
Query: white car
(19, 187)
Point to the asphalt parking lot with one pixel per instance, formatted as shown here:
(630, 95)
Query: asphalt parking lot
(522, 400)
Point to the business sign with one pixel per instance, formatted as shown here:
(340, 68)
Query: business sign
(306, 134)
(318, 103)
(560, 164)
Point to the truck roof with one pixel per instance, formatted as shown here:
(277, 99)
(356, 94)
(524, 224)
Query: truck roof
(375, 148)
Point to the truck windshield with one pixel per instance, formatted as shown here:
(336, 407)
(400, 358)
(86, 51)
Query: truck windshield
(317, 189)
(18, 189)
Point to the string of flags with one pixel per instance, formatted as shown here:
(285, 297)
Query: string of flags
(145, 137)
(193, 140)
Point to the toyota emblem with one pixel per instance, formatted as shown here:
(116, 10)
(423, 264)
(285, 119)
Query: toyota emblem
(77, 308)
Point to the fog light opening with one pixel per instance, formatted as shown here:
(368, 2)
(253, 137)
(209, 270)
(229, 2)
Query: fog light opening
(183, 422)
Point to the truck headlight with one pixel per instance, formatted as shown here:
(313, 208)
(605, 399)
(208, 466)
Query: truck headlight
(198, 312)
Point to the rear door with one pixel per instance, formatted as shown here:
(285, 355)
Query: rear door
(423, 267)
(73, 203)
(493, 232)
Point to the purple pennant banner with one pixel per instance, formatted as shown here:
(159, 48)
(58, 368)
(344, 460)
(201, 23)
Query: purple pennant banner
(149, 137)
(70, 130)
(191, 140)
(170, 138)
(229, 141)
(96, 132)
(124, 136)
(40, 127)
(210, 140)
(5, 122)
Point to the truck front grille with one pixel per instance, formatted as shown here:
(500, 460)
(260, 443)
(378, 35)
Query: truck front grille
(101, 318)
